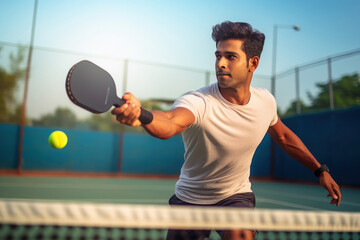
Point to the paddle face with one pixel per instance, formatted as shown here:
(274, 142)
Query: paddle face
(91, 87)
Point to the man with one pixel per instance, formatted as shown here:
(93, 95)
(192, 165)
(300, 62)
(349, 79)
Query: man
(222, 125)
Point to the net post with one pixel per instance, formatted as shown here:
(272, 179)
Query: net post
(331, 90)
(207, 78)
(298, 103)
(23, 107)
(122, 128)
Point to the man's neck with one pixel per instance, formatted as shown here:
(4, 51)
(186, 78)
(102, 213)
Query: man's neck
(239, 96)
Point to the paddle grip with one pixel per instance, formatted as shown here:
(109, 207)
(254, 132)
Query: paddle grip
(146, 117)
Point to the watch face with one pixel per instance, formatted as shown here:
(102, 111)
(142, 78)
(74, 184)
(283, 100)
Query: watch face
(325, 168)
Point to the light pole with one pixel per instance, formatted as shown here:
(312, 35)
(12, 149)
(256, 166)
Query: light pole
(273, 79)
(273, 75)
(27, 76)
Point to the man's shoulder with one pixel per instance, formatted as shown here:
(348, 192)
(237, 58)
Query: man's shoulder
(208, 90)
(203, 92)
(261, 92)
(197, 101)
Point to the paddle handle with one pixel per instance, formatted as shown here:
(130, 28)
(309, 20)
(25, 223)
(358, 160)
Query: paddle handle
(146, 117)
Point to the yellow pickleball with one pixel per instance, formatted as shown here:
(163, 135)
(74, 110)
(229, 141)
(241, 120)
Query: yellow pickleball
(58, 139)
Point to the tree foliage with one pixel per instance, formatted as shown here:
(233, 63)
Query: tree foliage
(65, 118)
(346, 91)
(9, 83)
(62, 117)
(291, 110)
(346, 94)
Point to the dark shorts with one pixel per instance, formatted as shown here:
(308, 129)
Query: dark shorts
(241, 200)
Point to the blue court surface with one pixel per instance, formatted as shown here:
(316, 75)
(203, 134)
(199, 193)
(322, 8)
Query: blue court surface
(272, 195)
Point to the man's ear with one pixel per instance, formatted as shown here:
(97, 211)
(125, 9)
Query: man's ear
(253, 63)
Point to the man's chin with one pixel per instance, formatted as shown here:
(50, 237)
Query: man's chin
(222, 82)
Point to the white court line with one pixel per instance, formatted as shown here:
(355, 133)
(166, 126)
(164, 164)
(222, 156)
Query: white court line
(151, 201)
(287, 204)
(308, 197)
(115, 201)
(157, 188)
(121, 186)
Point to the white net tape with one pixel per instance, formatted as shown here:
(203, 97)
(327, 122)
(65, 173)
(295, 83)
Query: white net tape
(164, 217)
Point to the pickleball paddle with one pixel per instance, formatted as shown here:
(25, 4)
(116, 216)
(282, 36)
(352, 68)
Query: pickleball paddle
(92, 88)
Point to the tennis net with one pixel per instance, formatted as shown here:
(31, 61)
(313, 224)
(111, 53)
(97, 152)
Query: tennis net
(59, 220)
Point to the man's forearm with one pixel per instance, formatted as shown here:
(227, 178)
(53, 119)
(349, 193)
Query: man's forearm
(161, 126)
(292, 145)
(295, 148)
(167, 124)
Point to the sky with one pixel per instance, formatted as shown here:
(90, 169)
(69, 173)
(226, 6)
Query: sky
(178, 32)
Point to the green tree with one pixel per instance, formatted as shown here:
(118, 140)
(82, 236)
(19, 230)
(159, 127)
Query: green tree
(62, 117)
(292, 109)
(102, 122)
(346, 93)
(9, 83)
(107, 122)
(155, 104)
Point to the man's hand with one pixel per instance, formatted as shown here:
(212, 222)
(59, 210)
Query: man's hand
(129, 112)
(330, 185)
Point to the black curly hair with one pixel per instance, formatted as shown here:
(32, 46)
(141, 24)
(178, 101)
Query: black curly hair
(253, 39)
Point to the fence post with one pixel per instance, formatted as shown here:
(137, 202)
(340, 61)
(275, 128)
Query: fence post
(27, 77)
(125, 76)
(122, 128)
(331, 90)
(207, 78)
(297, 86)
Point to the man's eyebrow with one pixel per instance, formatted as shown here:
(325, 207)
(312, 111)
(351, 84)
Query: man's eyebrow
(227, 53)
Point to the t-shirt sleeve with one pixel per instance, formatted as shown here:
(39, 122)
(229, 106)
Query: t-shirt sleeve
(194, 102)
(275, 117)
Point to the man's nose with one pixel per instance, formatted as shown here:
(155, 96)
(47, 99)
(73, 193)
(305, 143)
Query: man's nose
(221, 63)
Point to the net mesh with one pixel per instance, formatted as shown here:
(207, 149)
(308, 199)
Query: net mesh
(52, 220)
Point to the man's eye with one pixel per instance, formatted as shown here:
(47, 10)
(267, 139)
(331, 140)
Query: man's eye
(218, 57)
(231, 57)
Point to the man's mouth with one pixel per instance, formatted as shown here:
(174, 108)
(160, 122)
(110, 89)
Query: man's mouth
(222, 74)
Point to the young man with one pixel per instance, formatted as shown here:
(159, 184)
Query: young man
(222, 125)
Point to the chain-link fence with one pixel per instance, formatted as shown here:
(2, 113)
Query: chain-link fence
(151, 82)
(319, 85)
(326, 84)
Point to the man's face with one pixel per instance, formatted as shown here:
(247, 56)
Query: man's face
(231, 66)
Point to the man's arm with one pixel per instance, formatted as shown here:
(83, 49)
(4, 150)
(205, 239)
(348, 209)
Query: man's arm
(293, 146)
(164, 124)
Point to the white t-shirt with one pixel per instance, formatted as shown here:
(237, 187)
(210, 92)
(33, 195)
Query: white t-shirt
(220, 144)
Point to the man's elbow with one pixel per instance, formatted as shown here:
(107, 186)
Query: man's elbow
(162, 136)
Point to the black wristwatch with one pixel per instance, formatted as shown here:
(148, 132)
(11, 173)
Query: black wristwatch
(321, 169)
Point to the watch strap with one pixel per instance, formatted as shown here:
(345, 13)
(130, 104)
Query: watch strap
(321, 169)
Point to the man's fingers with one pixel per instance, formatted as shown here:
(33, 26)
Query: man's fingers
(333, 189)
(124, 110)
(338, 194)
(120, 110)
(332, 194)
(127, 114)
(127, 96)
(335, 195)
(134, 114)
(128, 109)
